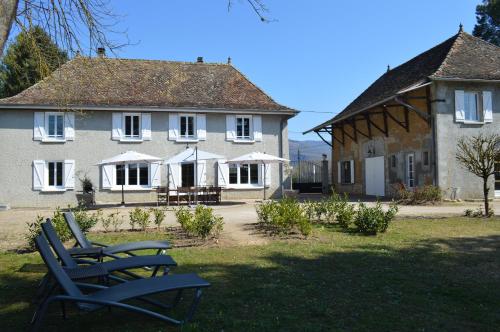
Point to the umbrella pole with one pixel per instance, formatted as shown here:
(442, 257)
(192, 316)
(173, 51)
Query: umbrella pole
(196, 177)
(123, 196)
(264, 180)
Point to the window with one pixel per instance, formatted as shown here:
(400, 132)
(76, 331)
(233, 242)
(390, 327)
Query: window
(55, 126)
(393, 161)
(55, 174)
(187, 126)
(410, 170)
(187, 175)
(345, 167)
(425, 158)
(471, 106)
(244, 174)
(132, 125)
(132, 175)
(243, 127)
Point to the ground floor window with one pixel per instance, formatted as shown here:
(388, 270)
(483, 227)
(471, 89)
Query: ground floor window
(55, 174)
(346, 171)
(244, 174)
(132, 175)
(410, 170)
(187, 175)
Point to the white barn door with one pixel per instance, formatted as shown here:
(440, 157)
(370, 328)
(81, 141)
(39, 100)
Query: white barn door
(375, 176)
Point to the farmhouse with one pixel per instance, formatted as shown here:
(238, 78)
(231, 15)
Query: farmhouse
(403, 129)
(55, 133)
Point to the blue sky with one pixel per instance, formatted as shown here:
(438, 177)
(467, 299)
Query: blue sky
(317, 56)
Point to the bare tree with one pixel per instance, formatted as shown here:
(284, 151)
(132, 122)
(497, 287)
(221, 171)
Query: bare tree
(477, 154)
(73, 24)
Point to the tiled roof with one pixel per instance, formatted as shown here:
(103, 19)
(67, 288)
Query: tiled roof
(146, 83)
(460, 57)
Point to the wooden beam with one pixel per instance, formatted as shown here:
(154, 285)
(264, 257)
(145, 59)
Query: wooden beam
(345, 133)
(429, 104)
(323, 139)
(371, 123)
(368, 125)
(423, 115)
(407, 119)
(402, 124)
(386, 126)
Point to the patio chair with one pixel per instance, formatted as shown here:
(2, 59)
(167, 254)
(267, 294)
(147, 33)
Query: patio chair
(93, 249)
(95, 269)
(115, 296)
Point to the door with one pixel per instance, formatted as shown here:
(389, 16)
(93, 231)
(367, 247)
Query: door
(187, 175)
(497, 177)
(375, 176)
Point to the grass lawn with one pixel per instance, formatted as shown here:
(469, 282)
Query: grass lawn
(430, 275)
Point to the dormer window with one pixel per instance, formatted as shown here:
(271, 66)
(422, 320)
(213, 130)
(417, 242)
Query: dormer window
(187, 126)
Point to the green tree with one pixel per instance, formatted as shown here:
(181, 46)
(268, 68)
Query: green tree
(488, 21)
(29, 59)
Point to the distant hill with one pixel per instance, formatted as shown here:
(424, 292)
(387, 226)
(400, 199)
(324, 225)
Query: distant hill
(309, 150)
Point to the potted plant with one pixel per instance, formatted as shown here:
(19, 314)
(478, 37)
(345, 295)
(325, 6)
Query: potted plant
(86, 197)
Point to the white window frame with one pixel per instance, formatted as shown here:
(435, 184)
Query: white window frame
(187, 138)
(248, 138)
(479, 106)
(131, 138)
(127, 186)
(249, 185)
(410, 174)
(54, 138)
(55, 187)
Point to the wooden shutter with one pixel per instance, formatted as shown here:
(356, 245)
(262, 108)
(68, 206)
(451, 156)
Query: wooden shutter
(174, 176)
(352, 171)
(107, 176)
(38, 126)
(146, 126)
(38, 174)
(155, 174)
(201, 127)
(339, 173)
(69, 174)
(117, 131)
(230, 127)
(459, 105)
(201, 179)
(257, 128)
(222, 173)
(173, 126)
(268, 171)
(487, 106)
(69, 126)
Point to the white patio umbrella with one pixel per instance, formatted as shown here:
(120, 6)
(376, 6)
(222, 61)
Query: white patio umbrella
(260, 158)
(127, 158)
(194, 155)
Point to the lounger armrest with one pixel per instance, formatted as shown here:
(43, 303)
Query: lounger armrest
(133, 246)
(85, 272)
(86, 252)
(97, 244)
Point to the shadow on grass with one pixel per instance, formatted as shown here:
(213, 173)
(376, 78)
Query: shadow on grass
(443, 284)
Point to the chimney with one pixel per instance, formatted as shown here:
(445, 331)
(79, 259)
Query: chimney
(199, 59)
(101, 52)
(228, 60)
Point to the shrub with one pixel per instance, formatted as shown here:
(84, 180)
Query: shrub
(86, 220)
(159, 216)
(320, 209)
(478, 213)
(371, 220)
(34, 228)
(420, 195)
(116, 220)
(345, 212)
(140, 218)
(284, 216)
(206, 223)
(202, 223)
(87, 185)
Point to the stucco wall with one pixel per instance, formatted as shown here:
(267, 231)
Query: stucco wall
(399, 143)
(450, 173)
(93, 143)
